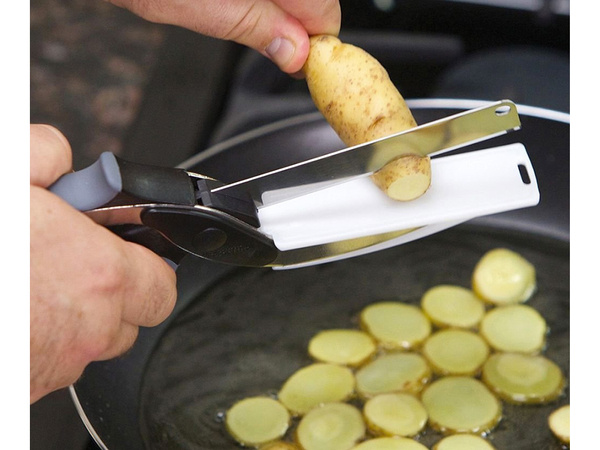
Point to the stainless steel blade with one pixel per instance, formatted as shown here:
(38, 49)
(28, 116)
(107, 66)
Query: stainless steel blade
(433, 138)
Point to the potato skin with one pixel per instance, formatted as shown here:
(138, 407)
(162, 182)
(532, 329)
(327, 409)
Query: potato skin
(354, 92)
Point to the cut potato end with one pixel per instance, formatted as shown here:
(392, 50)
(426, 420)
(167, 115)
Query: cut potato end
(452, 306)
(455, 352)
(316, 384)
(395, 414)
(395, 325)
(560, 423)
(405, 178)
(457, 404)
(514, 328)
(330, 427)
(502, 276)
(341, 346)
(463, 442)
(519, 378)
(393, 372)
(257, 420)
(390, 443)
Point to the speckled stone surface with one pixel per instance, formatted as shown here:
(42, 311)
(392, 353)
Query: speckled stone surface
(90, 62)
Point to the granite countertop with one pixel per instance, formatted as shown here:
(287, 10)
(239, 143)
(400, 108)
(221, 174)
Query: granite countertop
(90, 62)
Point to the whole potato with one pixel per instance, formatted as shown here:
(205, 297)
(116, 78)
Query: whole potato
(354, 93)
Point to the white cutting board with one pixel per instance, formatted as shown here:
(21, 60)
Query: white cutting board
(463, 187)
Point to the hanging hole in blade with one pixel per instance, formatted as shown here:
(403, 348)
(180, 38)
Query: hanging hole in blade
(524, 174)
(502, 110)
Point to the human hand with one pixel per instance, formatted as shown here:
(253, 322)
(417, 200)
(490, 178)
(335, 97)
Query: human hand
(279, 29)
(89, 289)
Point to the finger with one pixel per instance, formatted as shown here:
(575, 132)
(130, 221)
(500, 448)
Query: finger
(258, 24)
(132, 280)
(50, 155)
(152, 290)
(317, 16)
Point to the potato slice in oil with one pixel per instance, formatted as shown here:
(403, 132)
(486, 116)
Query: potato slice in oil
(257, 420)
(342, 346)
(514, 328)
(393, 372)
(395, 414)
(332, 426)
(458, 404)
(523, 379)
(463, 442)
(452, 306)
(560, 423)
(395, 324)
(390, 443)
(503, 276)
(455, 352)
(315, 384)
(279, 445)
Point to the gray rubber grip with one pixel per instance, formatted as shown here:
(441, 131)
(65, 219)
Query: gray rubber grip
(91, 187)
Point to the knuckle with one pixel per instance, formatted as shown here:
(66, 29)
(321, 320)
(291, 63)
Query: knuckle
(157, 308)
(111, 273)
(244, 26)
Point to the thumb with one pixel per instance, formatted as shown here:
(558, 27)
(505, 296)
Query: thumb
(50, 155)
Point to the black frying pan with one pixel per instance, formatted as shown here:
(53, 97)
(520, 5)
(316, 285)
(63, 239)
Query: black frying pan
(239, 332)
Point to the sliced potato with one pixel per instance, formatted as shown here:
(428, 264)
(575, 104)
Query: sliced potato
(395, 324)
(393, 372)
(514, 328)
(519, 378)
(257, 420)
(390, 443)
(279, 445)
(331, 426)
(354, 93)
(315, 384)
(395, 414)
(405, 178)
(560, 423)
(342, 346)
(455, 352)
(458, 404)
(452, 306)
(503, 276)
(463, 442)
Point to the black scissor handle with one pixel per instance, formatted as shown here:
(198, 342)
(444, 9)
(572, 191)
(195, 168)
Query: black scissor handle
(112, 181)
(151, 239)
(179, 212)
(212, 234)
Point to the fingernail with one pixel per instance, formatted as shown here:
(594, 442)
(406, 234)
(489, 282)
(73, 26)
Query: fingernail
(280, 50)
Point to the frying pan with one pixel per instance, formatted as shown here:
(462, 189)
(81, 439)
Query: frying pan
(237, 332)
